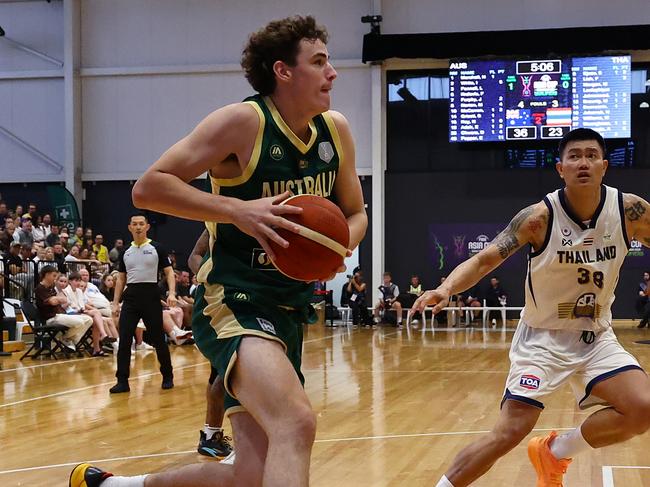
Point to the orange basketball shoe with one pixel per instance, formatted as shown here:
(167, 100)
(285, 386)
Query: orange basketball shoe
(550, 470)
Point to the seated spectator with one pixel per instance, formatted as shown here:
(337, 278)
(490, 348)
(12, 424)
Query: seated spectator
(100, 249)
(7, 235)
(18, 212)
(78, 237)
(94, 295)
(104, 333)
(643, 300)
(88, 244)
(114, 254)
(53, 237)
(59, 257)
(495, 296)
(42, 228)
(64, 240)
(184, 303)
(4, 212)
(88, 234)
(31, 211)
(107, 286)
(24, 235)
(195, 284)
(73, 255)
(408, 300)
(19, 271)
(356, 290)
(51, 308)
(388, 299)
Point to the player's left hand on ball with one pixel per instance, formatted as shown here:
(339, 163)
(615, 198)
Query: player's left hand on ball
(343, 268)
(438, 298)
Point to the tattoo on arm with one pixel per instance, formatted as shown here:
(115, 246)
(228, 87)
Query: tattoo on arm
(507, 242)
(635, 211)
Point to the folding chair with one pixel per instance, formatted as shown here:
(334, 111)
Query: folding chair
(85, 343)
(46, 337)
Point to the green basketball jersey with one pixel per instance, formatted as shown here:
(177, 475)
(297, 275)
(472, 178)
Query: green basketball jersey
(280, 161)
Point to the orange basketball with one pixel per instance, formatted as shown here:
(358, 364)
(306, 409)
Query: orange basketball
(319, 249)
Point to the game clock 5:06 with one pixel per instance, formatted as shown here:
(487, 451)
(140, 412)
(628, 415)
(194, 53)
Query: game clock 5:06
(545, 66)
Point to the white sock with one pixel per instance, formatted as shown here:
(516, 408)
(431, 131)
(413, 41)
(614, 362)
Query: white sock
(137, 481)
(444, 482)
(568, 444)
(210, 431)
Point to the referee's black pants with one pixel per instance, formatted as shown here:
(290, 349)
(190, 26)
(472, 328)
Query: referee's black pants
(142, 301)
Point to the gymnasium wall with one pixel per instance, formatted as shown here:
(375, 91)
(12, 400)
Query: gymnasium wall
(486, 196)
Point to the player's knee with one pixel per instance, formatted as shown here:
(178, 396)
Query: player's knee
(300, 425)
(508, 438)
(638, 417)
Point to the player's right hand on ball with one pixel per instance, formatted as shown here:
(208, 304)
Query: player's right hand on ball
(259, 219)
(438, 298)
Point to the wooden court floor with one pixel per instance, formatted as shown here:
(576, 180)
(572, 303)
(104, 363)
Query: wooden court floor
(393, 410)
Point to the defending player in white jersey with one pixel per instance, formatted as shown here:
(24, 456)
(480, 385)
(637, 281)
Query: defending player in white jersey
(579, 236)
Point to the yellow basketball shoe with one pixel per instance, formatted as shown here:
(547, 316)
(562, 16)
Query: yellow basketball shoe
(85, 475)
(550, 471)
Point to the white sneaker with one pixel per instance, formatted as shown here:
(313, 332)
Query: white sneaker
(180, 336)
(143, 346)
(69, 344)
(230, 459)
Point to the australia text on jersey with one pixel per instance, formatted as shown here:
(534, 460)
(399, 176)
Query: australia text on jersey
(319, 185)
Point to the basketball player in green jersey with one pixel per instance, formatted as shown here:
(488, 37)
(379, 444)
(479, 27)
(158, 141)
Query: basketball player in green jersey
(248, 317)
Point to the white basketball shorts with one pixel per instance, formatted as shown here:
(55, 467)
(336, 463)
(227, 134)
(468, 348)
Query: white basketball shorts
(541, 360)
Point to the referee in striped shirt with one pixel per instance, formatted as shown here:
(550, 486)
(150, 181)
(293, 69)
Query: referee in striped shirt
(138, 268)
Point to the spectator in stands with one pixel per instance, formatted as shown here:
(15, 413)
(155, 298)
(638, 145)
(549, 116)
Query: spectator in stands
(88, 234)
(100, 249)
(415, 290)
(78, 237)
(7, 235)
(182, 312)
(388, 299)
(49, 254)
(59, 257)
(42, 229)
(195, 284)
(114, 254)
(18, 212)
(40, 253)
(53, 237)
(51, 308)
(78, 303)
(94, 295)
(643, 300)
(495, 296)
(29, 268)
(4, 212)
(24, 235)
(84, 253)
(64, 240)
(88, 244)
(107, 286)
(172, 258)
(73, 255)
(356, 290)
(31, 211)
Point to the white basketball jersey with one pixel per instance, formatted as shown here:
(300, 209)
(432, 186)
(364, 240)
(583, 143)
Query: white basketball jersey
(572, 277)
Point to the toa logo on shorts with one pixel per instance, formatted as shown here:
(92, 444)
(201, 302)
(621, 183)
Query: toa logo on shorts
(266, 325)
(529, 382)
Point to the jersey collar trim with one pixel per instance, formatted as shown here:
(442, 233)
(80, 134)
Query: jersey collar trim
(284, 128)
(594, 219)
(133, 244)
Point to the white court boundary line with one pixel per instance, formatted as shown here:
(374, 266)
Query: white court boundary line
(70, 391)
(85, 388)
(327, 440)
(63, 362)
(608, 472)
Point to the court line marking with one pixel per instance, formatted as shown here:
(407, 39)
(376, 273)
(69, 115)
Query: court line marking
(48, 364)
(608, 472)
(69, 361)
(410, 371)
(85, 388)
(78, 389)
(327, 440)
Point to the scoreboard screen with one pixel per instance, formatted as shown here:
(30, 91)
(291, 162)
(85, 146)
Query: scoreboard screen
(503, 100)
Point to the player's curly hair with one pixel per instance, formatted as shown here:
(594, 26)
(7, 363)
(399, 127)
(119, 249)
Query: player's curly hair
(278, 41)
